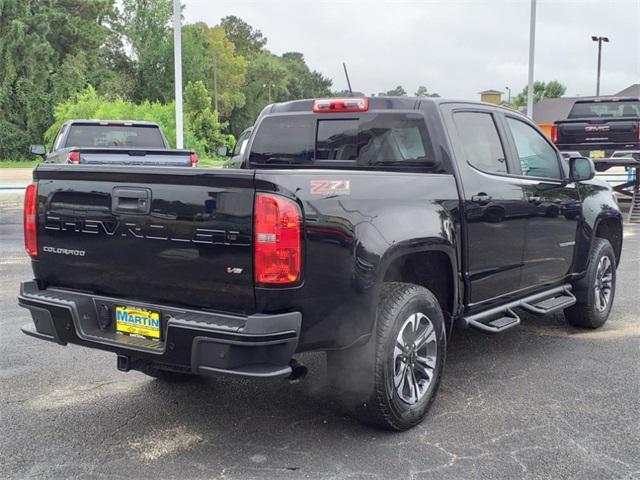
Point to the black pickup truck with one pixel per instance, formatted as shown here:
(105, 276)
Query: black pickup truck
(114, 142)
(363, 227)
(600, 127)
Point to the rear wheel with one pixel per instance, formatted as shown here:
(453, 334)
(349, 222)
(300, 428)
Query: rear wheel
(595, 291)
(405, 360)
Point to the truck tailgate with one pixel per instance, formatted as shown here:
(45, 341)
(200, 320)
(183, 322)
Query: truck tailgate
(177, 236)
(135, 156)
(597, 131)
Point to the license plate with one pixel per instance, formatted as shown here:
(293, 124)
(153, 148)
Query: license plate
(596, 154)
(138, 321)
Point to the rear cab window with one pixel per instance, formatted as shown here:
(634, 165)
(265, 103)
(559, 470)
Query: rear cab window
(349, 140)
(480, 141)
(114, 135)
(606, 109)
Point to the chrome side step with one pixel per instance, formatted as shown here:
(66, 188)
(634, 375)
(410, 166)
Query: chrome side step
(501, 318)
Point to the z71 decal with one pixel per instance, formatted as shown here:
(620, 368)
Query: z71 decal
(330, 187)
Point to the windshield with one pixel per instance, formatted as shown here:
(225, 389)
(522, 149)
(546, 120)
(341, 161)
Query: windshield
(370, 139)
(611, 109)
(115, 136)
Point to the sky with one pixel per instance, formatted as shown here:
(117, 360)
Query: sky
(455, 48)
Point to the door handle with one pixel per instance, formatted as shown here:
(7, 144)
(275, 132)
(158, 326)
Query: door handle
(130, 200)
(481, 198)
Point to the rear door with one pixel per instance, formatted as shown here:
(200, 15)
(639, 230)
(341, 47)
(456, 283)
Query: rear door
(174, 236)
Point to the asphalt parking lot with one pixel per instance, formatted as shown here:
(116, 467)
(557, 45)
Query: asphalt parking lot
(542, 400)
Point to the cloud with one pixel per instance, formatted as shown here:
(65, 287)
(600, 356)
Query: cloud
(455, 48)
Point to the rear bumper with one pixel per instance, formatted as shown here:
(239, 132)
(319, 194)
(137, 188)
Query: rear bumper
(192, 341)
(609, 149)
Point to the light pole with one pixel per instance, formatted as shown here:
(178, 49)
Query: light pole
(269, 85)
(599, 40)
(508, 95)
(177, 67)
(532, 43)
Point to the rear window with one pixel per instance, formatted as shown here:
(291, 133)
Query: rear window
(366, 140)
(606, 109)
(114, 136)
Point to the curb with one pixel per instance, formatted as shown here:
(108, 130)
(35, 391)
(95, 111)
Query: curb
(12, 187)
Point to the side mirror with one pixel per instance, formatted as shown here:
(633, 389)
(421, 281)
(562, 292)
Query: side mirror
(38, 150)
(581, 169)
(223, 151)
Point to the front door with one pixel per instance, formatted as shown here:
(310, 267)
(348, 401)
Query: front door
(495, 209)
(555, 206)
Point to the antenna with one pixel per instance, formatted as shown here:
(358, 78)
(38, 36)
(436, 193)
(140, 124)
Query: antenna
(346, 74)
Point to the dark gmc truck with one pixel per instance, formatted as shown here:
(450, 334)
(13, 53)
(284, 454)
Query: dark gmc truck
(600, 127)
(114, 142)
(363, 227)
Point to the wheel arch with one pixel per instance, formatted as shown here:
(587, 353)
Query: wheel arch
(610, 228)
(433, 267)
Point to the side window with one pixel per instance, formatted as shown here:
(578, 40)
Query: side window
(58, 141)
(537, 157)
(241, 143)
(480, 141)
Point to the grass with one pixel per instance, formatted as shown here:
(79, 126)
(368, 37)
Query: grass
(214, 162)
(18, 163)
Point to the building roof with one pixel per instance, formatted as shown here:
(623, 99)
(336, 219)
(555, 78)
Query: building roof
(630, 91)
(490, 92)
(548, 110)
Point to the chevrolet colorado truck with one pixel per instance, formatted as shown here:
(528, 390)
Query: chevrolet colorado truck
(600, 127)
(114, 142)
(363, 227)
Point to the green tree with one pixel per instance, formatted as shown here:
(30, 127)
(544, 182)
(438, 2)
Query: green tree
(48, 52)
(424, 92)
(553, 89)
(396, 92)
(249, 41)
(228, 73)
(266, 77)
(202, 121)
(301, 81)
(146, 24)
(197, 62)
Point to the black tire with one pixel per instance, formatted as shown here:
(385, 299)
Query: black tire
(385, 388)
(169, 376)
(587, 311)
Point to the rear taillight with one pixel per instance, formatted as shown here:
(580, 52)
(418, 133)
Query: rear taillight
(74, 157)
(277, 240)
(554, 133)
(194, 160)
(341, 105)
(30, 223)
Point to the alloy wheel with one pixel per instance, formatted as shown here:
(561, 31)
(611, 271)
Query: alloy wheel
(414, 358)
